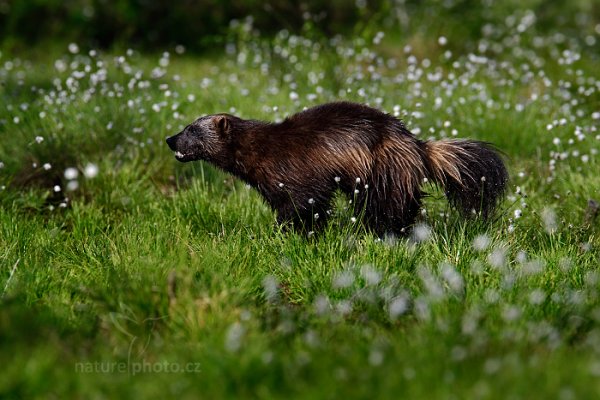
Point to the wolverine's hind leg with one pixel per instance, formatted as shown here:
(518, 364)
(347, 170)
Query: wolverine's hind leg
(394, 197)
(393, 214)
(388, 208)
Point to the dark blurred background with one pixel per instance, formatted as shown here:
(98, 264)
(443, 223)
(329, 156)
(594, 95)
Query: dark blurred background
(201, 24)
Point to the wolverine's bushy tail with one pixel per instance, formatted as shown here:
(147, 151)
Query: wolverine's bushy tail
(472, 173)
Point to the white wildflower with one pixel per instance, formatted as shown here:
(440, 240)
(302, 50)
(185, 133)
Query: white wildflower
(370, 274)
(270, 287)
(549, 219)
(234, 336)
(343, 279)
(72, 185)
(421, 232)
(71, 173)
(73, 48)
(90, 170)
(518, 213)
(481, 242)
(398, 306)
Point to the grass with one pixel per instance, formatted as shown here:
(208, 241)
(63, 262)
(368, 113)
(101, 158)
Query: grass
(153, 276)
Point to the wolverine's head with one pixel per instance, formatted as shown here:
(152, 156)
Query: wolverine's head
(204, 139)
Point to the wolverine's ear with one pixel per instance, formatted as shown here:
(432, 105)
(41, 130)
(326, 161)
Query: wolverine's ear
(222, 124)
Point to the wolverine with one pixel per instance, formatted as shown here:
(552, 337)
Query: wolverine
(298, 164)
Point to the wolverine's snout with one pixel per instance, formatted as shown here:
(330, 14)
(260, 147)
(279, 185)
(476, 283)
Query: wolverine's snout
(184, 150)
(172, 142)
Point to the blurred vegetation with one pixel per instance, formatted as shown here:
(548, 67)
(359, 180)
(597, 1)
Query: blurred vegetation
(200, 25)
(113, 252)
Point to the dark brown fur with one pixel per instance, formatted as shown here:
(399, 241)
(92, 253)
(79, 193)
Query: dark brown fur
(298, 164)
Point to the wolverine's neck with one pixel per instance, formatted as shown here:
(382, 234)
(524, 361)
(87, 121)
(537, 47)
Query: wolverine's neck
(245, 152)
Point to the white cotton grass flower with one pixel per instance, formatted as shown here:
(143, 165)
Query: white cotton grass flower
(90, 171)
(431, 283)
(343, 279)
(233, 337)
(378, 37)
(398, 306)
(71, 173)
(518, 213)
(322, 304)
(497, 258)
(481, 242)
(370, 274)
(270, 287)
(549, 220)
(343, 307)
(73, 48)
(537, 297)
(533, 267)
(511, 313)
(421, 233)
(452, 277)
(72, 186)
(47, 166)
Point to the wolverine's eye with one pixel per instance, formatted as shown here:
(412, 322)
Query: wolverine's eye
(194, 130)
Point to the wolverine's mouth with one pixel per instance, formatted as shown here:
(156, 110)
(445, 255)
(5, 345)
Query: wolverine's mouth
(183, 157)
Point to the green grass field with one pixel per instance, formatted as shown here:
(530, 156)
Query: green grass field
(124, 273)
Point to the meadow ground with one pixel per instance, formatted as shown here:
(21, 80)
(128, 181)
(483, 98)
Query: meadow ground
(125, 273)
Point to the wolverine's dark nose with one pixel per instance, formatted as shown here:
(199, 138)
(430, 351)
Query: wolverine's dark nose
(171, 142)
